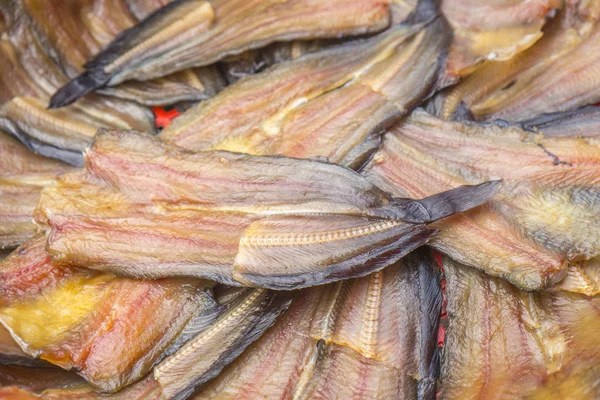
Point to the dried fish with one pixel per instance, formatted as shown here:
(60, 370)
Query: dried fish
(36, 380)
(582, 122)
(505, 343)
(231, 217)
(554, 75)
(545, 215)
(195, 33)
(23, 175)
(81, 319)
(28, 75)
(492, 30)
(76, 33)
(334, 103)
(372, 338)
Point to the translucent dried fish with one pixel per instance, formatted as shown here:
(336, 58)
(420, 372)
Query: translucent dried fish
(271, 222)
(544, 216)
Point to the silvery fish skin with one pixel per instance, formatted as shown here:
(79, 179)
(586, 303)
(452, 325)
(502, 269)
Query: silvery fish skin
(29, 75)
(554, 75)
(195, 33)
(23, 175)
(369, 338)
(334, 103)
(492, 30)
(247, 218)
(504, 343)
(545, 216)
(81, 319)
(93, 24)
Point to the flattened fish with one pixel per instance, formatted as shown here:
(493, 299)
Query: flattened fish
(194, 33)
(23, 175)
(36, 380)
(77, 32)
(271, 222)
(28, 75)
(545, 215)
(492, 30)
(333, 103)
(503, 343)
(582, 122)
(81, 319)
(202, 357)
(554, 75)
(368, 338)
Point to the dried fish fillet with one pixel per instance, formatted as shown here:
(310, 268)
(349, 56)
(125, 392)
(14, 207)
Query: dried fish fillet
(372, 338)
(492, 30)
(334, 103)
(81, 319)
(11, 353)
(196, 33)
(582, 122)
(271, 222)
(23, 175)
(505, 343)
(36, 380)
(202, 357)
(554, 75)
(28, 75)
(78, 32)
(545, 215)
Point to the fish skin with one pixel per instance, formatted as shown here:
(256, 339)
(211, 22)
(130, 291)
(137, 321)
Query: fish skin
(519, 235)
(331, 103)
(371, 337)
(89, 337)
(122, 60)
(504, 343)
(248, 213)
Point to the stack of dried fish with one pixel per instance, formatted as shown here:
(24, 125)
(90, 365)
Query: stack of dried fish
(339, 170)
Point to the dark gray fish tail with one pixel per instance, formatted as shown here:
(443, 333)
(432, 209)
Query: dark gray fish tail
(445, 204)
(85, 83)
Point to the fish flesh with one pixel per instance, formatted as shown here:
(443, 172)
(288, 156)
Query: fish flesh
(368, 338)
(23, 175)
(545, 216)
(233, 218)
(28, 76)
(504, 343)
(334, 103)
(81, 319)
(554, 75)
(195, 33)
(494, 30)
